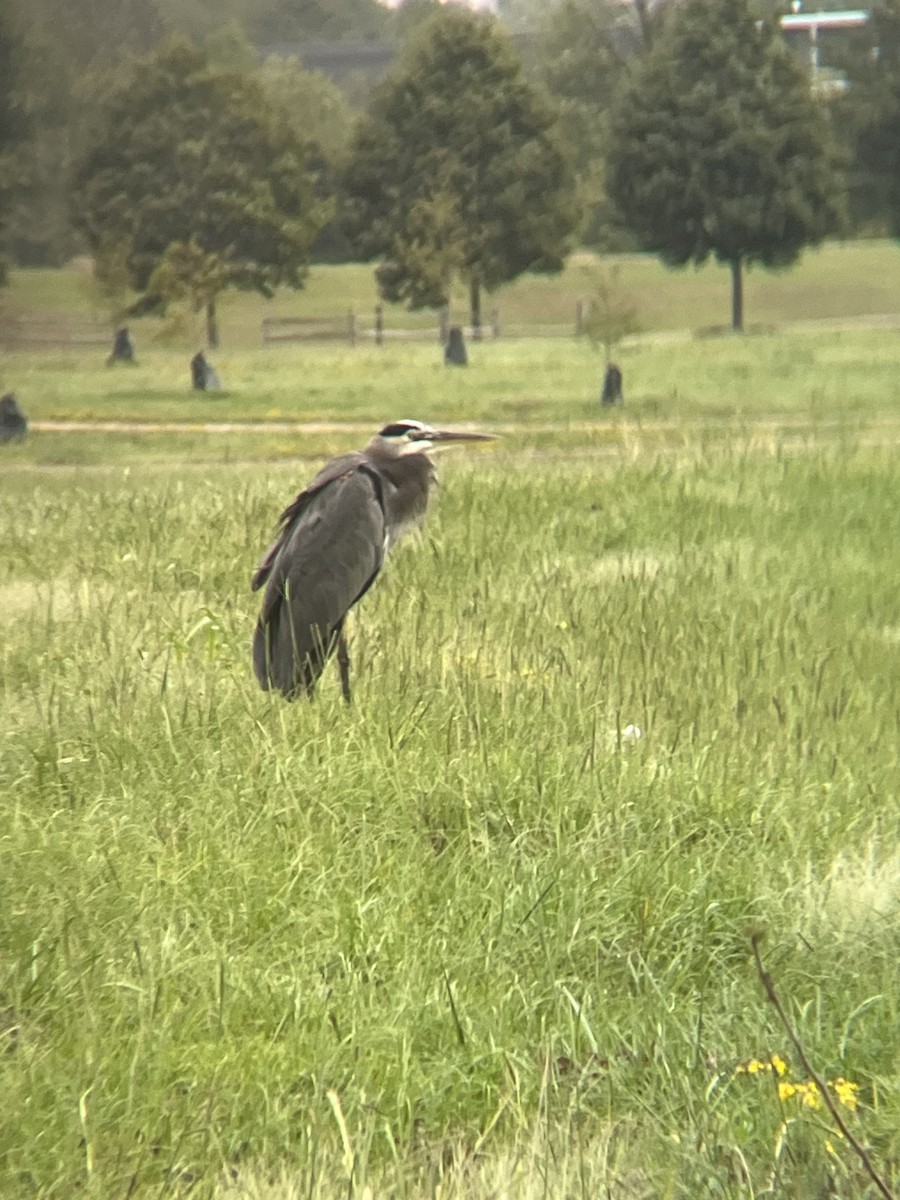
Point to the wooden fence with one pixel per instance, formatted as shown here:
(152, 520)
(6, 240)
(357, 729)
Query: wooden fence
(62, 332)
(353, 327)
(23, 333)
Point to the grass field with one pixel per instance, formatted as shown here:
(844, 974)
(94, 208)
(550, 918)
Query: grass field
(839, 281)
(472, 937)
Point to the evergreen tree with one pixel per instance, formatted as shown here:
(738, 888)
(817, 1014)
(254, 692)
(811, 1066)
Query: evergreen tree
(718, 148)
(327, 20)
(196, 157)
(866, 118)
(458, 170)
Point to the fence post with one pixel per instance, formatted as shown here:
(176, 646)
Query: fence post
(379, 324)
(495, 322)
(443, 325)
(351, 327)
(579, 318)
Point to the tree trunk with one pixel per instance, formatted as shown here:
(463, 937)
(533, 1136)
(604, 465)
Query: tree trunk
(212, 325)
(737, 295)
(475, 306)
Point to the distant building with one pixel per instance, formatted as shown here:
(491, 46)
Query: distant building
(806, 33)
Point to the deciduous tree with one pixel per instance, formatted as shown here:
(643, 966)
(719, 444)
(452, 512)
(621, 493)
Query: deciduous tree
(458, 171)
(196, 156)
(717, 146)
(582, 55)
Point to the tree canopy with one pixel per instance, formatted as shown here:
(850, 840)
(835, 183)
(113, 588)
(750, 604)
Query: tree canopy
(458, 169)
(718, 148)
(195, 156)
(866, 117)
(582, 55)
(286, 20)
(12, 123)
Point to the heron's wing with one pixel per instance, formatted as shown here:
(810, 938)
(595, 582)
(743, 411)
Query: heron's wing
(330, 550)
(330, 472)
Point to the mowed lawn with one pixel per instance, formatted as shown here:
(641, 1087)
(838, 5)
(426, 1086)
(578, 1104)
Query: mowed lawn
(628, 700)
(837, 282)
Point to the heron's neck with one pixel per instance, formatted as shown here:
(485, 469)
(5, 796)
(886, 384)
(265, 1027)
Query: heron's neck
(409, 480)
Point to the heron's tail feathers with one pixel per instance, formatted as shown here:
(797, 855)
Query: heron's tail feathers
(282, 663)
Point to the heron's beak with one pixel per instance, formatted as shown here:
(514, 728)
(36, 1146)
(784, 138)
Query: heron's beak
(452, 435)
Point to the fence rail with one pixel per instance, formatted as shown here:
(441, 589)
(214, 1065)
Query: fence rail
(302, 329)
(352, 327)
(20, 333)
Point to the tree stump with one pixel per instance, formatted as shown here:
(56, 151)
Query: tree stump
(123, 348)
(198, 372)
(455, 350)
(612, 386)
(13, 425)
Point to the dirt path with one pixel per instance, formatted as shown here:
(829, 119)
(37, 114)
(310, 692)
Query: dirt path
(199, 426)
(639, 425)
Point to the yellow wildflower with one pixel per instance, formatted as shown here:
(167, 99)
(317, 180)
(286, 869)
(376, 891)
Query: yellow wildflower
(755, 1065)
(778, 1065)
(846, 1092)
(806, 1093)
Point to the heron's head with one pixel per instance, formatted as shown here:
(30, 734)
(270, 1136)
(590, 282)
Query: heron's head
(414, 437)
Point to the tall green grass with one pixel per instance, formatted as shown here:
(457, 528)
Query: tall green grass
(472, 936)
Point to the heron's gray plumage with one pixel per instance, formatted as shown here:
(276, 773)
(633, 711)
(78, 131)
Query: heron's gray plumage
(331, 545)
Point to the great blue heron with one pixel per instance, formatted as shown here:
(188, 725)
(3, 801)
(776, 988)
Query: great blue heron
(331, 546)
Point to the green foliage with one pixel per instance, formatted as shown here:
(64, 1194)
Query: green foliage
(310, 102)
(193, 155)
(12, 113)
(866, 118)
(111, 279)
(229, 48)
(12, 121)
(95, 33)
(717, 147)
(326, 20)
(612, 315)
(410, 14)
(458, 168)
(582, 66)
(38, 169)
(317, 110)
(188, 281)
